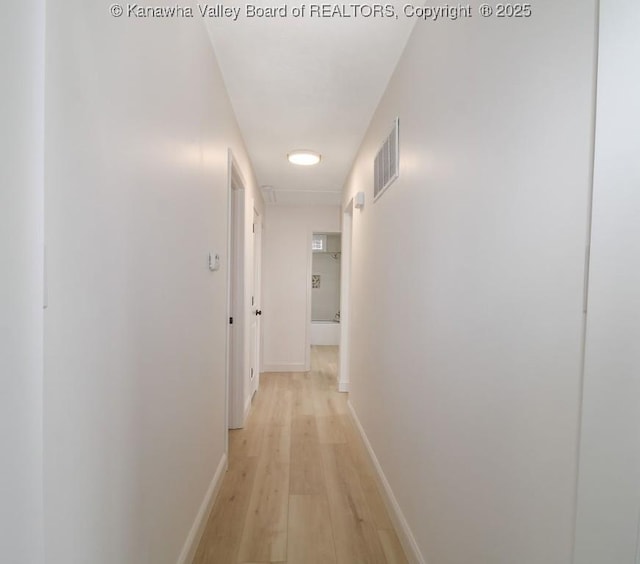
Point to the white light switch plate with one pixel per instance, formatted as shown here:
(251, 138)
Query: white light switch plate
(214, 262)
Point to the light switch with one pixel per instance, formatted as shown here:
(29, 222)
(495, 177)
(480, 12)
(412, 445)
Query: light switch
(214, 262)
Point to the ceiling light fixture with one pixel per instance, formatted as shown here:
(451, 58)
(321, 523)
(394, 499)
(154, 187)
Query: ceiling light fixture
(304, 157)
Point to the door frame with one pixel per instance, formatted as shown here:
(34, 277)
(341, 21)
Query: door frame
(345, 298)
(307, 336)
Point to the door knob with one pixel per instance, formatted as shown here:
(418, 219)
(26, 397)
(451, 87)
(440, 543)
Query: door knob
(258, 312)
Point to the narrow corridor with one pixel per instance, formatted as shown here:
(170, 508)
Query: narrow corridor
(300, 487)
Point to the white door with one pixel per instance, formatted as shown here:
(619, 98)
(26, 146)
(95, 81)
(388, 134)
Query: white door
(256, 310)
(236, 371)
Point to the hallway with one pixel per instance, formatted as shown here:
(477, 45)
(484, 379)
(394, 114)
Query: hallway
(300, 487)
(166, 177)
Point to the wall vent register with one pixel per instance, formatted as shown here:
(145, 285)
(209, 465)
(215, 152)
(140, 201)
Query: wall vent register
(386, 165)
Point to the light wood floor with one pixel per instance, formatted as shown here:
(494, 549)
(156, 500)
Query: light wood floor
(299, 488)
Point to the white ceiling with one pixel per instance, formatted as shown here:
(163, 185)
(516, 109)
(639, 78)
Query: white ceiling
(306, 83)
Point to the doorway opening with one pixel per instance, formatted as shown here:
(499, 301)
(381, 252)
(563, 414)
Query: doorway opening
(326, 252)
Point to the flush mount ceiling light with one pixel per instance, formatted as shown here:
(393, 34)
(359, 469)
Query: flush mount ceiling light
(304, 157)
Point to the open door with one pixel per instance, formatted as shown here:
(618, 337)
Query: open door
(236, 299)
(256, 308)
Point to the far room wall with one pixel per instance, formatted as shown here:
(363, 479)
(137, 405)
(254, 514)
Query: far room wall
(287, 281)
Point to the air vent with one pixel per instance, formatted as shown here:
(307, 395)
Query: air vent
(386, 165)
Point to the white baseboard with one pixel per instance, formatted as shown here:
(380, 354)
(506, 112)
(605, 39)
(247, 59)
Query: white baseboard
(285, 367)
(195, 534)
(343, 386)
(403, 531)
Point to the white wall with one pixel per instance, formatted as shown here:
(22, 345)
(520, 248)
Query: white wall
(21, 280)
(609, 493)
(334, 242)
(286, 282)
(137, 133)
(325, 300)
(467, 280)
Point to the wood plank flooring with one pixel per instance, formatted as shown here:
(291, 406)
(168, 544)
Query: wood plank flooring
(300, 488)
